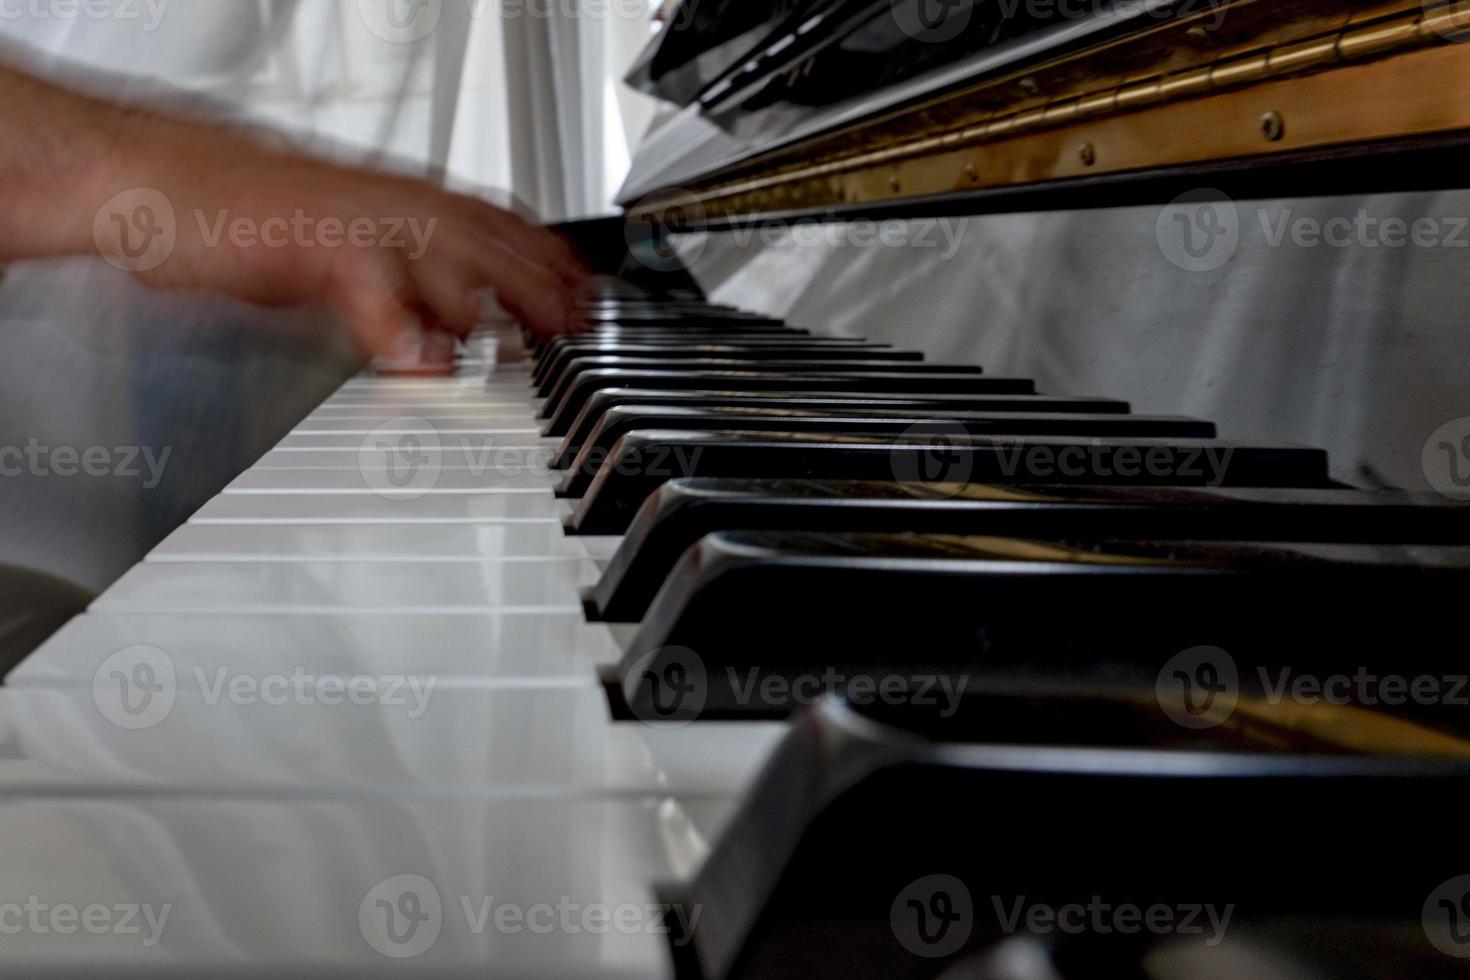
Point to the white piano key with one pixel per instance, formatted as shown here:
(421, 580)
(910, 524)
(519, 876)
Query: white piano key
(364, 586)
(474, 650)
(410, 425)
(428, 479)
(470, 447)
(453, 413)
(308, 730)
(380, 542)
(492, 454)
(357, 508)
(501, 887)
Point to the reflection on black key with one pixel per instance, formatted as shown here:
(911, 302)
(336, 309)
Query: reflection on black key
(683, 511)
(645, 459)
(766, 615)
(879, 362)
(771, 349)
(618, 422)
(873, 850)
(561, 412)
(835, 401)
(710, 336)
(798, 360)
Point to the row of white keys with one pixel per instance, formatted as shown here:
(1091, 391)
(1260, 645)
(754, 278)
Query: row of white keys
(315, 687)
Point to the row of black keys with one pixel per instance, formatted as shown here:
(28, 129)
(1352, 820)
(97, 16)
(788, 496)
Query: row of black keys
(907, 509)
(864, 852)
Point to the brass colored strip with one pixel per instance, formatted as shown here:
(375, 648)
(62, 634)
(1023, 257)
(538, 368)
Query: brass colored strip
(1370, 78)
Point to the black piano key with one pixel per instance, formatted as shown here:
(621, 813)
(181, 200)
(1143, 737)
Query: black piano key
(794, 348)
(801, 884)
(645, 459)
(562, 412)
(1024, 614)
(813, 365)
(712, 356)
(683, 511)
(618, 422)
(564, 342)
(607, 399)
(636, 318)
(657, 334)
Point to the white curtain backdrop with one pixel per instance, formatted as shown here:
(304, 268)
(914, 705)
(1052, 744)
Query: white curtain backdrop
(519, 95)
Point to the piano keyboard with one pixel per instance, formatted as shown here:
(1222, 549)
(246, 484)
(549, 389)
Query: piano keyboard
(702, 646)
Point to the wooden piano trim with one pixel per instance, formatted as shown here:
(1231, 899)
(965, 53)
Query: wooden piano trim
(1274, 81)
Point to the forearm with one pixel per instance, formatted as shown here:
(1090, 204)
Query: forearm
(186, 203)
(62, 156)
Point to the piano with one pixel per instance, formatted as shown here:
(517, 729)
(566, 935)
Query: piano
(704, 645)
